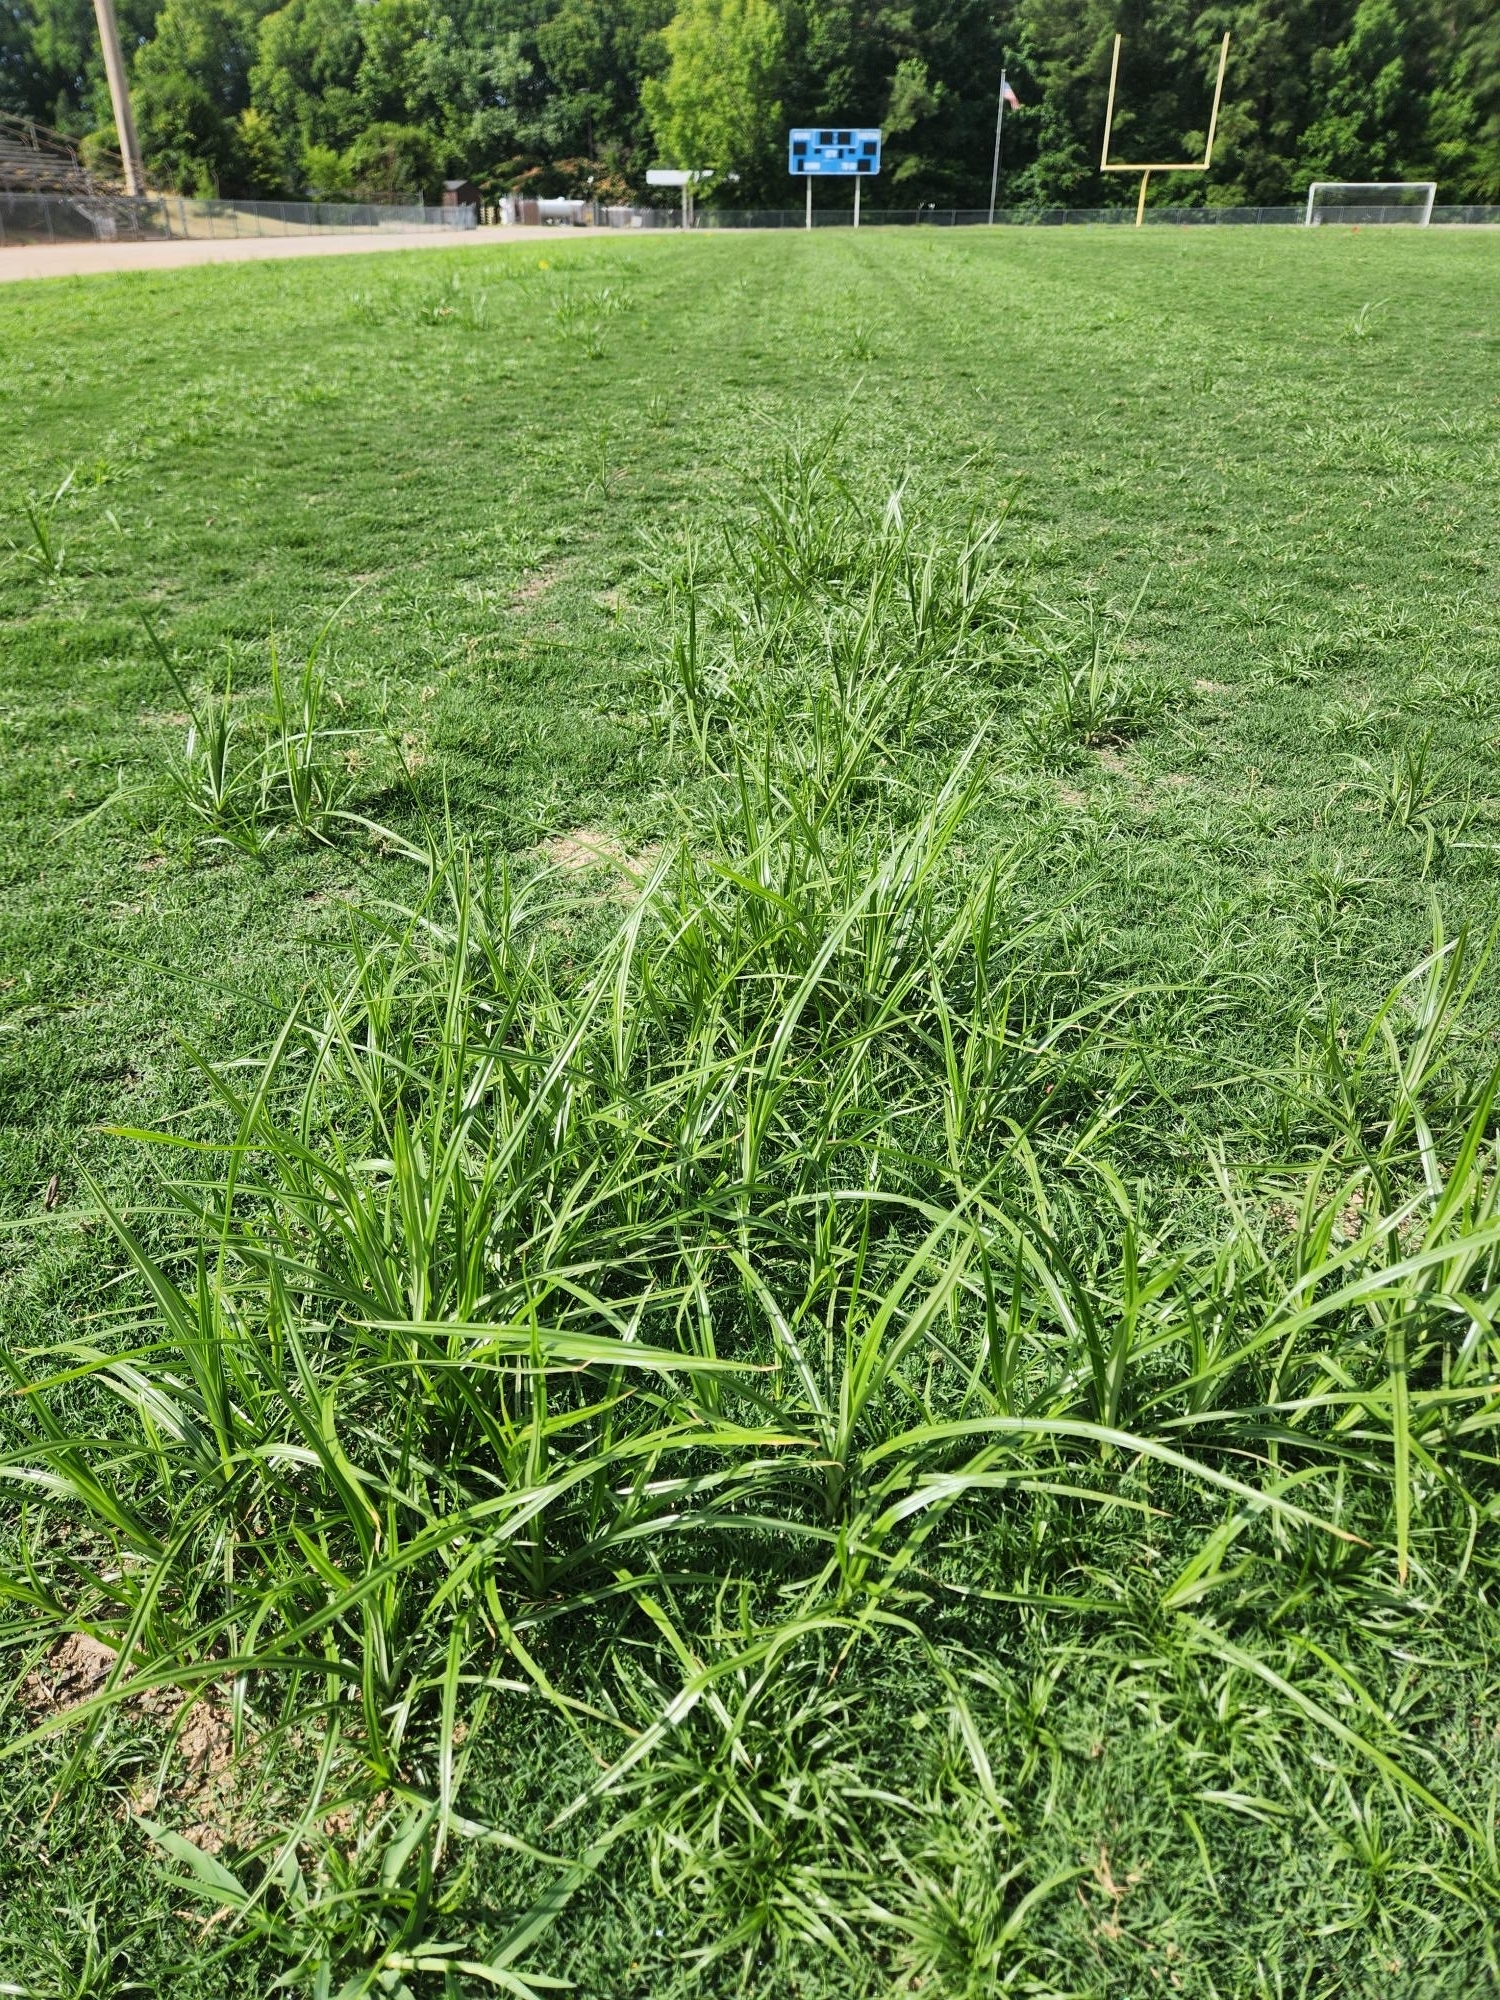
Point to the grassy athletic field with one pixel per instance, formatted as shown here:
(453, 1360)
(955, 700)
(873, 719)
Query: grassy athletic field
(818, 1318)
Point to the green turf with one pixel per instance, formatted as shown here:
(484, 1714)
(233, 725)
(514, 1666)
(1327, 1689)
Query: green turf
(1276, 455)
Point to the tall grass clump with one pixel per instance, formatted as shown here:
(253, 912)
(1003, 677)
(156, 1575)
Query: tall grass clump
(724, 1323)
(286, 770)
(46, 551)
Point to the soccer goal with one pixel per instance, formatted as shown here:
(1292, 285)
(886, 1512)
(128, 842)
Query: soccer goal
(1371, 201)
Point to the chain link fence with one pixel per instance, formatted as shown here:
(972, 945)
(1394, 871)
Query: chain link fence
(1122, 216)
(105, 218)
(594, 215)
(57, 218)
(586, 214)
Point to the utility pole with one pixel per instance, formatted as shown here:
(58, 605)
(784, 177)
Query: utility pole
(119, 96)
(999, 122)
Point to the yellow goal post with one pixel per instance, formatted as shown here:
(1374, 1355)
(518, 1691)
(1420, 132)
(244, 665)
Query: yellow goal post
(1146, 168)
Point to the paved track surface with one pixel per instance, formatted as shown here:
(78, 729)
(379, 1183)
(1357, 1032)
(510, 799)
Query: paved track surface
(72, 260)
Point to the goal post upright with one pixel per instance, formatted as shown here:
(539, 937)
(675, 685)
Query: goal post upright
(1213, 116)
(1109, 110)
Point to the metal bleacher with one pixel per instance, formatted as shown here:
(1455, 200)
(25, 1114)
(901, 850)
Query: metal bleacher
(48, 193)
(34, 160)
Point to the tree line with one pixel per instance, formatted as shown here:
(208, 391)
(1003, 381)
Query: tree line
(379, 98)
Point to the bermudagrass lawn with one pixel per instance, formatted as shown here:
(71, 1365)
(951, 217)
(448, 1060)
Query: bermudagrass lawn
(753, 1218)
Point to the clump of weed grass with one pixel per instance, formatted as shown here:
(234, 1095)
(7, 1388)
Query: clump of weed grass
(1413, 797)
(1367, 323)
(825, 617)
(583, 316)
(672, 1321)
(455, 304)
(287, 770)
(46, 552)
(1097, 702)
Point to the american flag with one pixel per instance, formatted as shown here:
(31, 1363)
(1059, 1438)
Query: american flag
(1009, 97)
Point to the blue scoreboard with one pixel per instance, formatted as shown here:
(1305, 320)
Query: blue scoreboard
(830, 149)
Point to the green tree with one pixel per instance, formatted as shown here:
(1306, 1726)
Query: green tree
(190, 84)
(1479, 70)
(1061, 70)
(925, 70)
(596, 61)
(262, 154)
(718, 103)
(307, 59)
(392, 81)
(1341, 89)
(1372, 110)
(553, 92)
(325, 177)
(327, 71)
(389, 161)
(51, 68)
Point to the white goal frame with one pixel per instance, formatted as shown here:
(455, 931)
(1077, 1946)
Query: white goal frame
(1420, 220)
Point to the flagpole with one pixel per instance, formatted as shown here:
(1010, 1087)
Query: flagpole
(995, 169)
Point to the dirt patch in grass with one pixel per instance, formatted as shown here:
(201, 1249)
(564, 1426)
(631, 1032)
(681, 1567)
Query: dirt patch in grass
(590, 847)
(197, 1780)
(584, 848)
(74, 1671)
(532, 587)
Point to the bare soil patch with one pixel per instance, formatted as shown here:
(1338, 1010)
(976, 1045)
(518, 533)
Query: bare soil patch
(589, 847)
(196, 1778)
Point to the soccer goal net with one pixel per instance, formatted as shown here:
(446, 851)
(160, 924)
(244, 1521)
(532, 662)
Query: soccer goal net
(1371, 201)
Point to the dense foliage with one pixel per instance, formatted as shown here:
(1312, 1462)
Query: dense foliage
(579, 96)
